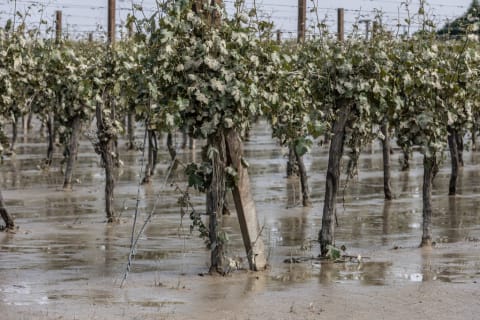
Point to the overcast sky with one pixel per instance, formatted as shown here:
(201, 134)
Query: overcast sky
(81, 17)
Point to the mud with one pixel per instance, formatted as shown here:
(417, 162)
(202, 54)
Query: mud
(64, 262)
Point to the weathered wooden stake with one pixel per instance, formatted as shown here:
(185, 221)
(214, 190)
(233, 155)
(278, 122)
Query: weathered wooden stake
(341, 24)
(111, 22)
(302, 17)
(58, 26)
(245, 206)
(367, 27)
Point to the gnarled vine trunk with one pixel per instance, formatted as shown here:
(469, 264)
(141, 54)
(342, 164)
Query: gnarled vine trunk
(292, 166)
(460, 147)
(454, 157)
(326, 235)
(106, 149)
(387, 186)
(405, 162)
(14, 133)
(215, 197)
(429, 169)
(152, 156)
(474, 134)
(29, 120)
(51, 138)
(172, 151)
(7, 218)
(303, 179)
(72, 152)
(131, 130)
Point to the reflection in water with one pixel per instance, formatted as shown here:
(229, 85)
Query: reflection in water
(371, 163)
(428, 274)
(292, 274)
(11, 179)
(367, 272)
(109, 249)
(386, 221)
(256, 283)
(455, 233)
(405, 179)
(293, 229)
(328, 273)
(294, 193)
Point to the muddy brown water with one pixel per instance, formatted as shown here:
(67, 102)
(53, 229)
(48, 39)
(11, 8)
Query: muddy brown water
(64, 262)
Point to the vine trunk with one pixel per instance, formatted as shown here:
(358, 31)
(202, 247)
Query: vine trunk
(429, 169)
(215, 197)
(454, 157)
(327, 233)
(7, 218)
(306, 201)
(387, 186)
(72, 152)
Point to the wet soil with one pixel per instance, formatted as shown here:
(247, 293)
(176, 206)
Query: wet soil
(65, 262)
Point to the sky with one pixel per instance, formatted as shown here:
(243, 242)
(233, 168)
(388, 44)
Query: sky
(81, 17)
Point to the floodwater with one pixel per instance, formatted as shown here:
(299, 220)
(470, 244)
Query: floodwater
(65, 262)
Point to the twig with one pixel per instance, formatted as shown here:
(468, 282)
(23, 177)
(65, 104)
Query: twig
(142, 229)
(132, 246)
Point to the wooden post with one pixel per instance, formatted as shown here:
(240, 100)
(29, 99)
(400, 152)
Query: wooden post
(279, 36)
(58, 26)
(341, 24)
(111, 22)
(302, 17)
(367, 27)
(90, 37)
(375, 29)
(130, 30)
(245, 206)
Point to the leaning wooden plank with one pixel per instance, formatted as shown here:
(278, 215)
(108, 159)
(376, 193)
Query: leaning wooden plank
(245, 206)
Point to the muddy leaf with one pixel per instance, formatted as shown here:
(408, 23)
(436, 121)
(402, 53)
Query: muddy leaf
(333, 253)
